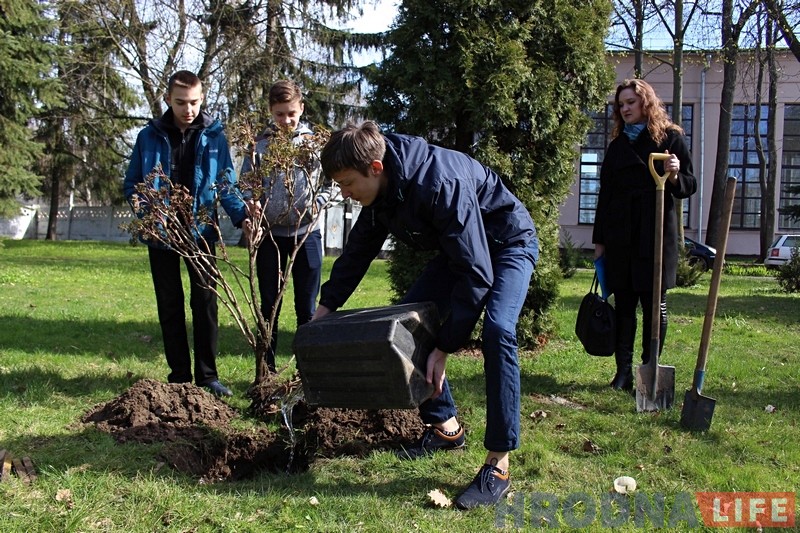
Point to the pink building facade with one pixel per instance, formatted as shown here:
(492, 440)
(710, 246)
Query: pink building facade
(702, 88)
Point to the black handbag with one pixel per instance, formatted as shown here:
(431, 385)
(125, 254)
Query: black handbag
(596, 326)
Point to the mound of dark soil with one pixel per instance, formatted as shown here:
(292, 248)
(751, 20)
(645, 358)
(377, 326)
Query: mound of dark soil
(194, 426)
(150, 403)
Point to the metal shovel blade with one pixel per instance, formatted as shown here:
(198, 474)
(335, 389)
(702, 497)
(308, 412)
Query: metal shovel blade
(655, 387)
(697, 411)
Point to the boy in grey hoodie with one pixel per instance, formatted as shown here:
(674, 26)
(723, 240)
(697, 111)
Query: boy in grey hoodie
(290, 215)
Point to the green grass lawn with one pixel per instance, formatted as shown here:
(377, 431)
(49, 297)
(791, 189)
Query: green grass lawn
(79, 327)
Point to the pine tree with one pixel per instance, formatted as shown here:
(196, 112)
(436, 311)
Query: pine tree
(26, 60)
(509, 82)
(293, 39)
(85, 144)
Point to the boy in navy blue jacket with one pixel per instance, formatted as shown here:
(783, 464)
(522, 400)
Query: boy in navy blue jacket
(192, 150)
(432, 198)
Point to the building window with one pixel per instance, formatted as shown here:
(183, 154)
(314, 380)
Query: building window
(592, 153)
(790, 169)
(744, 166)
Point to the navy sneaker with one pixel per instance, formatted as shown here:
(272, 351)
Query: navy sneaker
(488, 487)
(218, 389)
(433, 440)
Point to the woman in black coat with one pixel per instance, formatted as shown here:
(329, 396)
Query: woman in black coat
(624, 223)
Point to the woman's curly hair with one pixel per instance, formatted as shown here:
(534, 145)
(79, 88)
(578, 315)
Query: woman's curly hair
(658, 121)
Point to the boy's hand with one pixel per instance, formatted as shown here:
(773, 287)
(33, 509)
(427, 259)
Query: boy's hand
(253, 209)
(437, 360)
(252, 232)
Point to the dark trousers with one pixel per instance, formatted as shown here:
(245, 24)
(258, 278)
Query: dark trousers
(165, 266)
(306, 273)
(625, 303)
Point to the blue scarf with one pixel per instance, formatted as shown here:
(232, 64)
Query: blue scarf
(633, 130)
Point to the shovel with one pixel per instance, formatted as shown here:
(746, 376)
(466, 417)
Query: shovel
(698, 409)
(655, 384)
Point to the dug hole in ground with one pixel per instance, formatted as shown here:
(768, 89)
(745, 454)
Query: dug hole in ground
(195, 428)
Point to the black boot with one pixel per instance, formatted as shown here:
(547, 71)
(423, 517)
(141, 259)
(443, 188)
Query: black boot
(623, 379)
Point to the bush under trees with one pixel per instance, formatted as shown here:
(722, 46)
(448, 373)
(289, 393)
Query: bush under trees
(789, 274)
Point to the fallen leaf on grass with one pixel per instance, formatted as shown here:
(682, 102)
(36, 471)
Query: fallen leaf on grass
(591, 447)
(539, 414)
(438, 499)
(65, 495)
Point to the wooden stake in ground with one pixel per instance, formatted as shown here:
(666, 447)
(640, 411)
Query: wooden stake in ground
(23, 468)
(26, 470)
(5, 465)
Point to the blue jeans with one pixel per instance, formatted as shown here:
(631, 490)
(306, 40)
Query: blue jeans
(513, 267)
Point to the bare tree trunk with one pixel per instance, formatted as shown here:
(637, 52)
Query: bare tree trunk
(723, 145)
(57, 176)
(55, 194)
(638, 57)
(766, 218)
(730, 54)
(769, 179)
(677, 95)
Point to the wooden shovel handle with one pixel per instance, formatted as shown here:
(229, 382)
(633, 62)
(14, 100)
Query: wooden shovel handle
(658, 249)
(716, 274)
(661, 180)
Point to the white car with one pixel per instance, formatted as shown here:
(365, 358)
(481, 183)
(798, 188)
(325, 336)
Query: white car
(781, 250)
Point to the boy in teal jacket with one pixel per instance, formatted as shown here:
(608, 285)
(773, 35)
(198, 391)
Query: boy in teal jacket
(192, 150)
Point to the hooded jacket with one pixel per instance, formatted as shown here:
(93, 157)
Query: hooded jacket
(436, 199)
(212, 160)
(289, 207)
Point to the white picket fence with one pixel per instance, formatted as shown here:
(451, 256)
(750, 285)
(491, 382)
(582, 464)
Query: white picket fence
(103, 224)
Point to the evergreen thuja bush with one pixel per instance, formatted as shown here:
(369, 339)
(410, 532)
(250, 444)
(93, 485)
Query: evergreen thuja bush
(569, 256)
(405, 265)
(688, 273)
(788, 275)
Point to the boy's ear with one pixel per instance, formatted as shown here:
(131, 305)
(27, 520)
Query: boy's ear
(376, 166)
